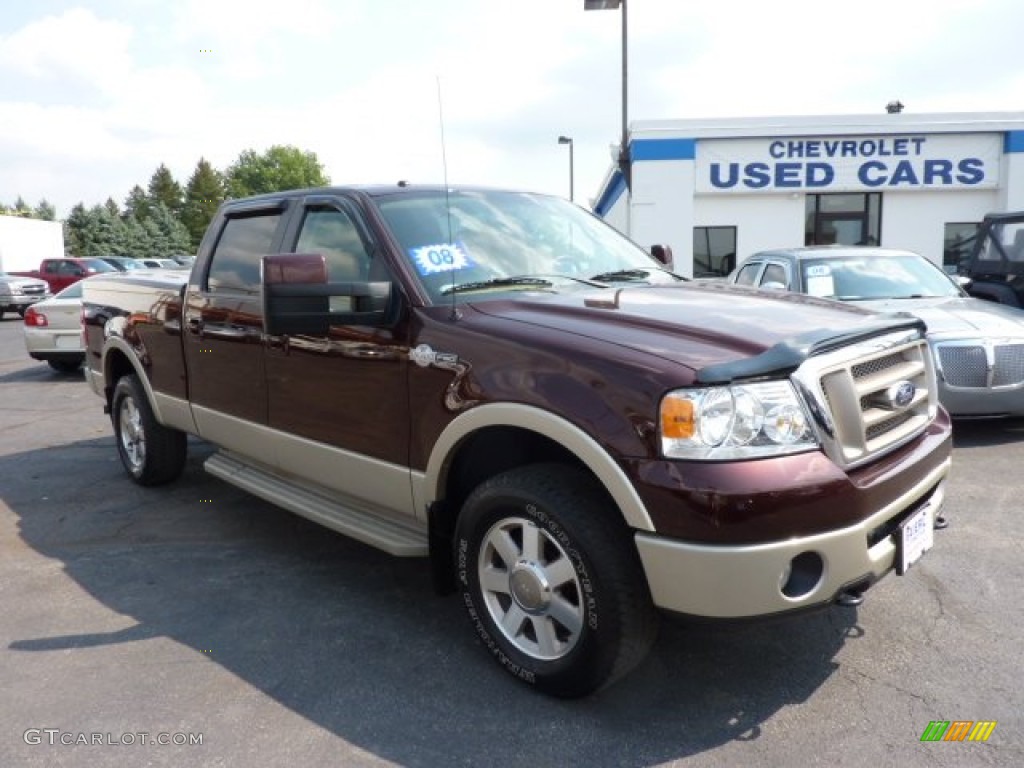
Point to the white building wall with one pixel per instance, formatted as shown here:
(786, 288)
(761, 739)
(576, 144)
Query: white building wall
(24, 243)
(761, 221)
(916, 220)
(662, 208)
(1011, 196)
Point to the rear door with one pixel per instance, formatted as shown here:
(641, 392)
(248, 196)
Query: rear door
(223, 334)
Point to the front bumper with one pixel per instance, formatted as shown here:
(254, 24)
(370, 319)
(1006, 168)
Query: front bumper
(19, 301)
(981, 401)
(720, 581)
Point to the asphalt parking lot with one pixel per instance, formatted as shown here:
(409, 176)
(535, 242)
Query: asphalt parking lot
(194, 612)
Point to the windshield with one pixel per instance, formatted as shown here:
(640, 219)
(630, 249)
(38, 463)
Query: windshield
(486, 242)
(867, 277)
(98, 265)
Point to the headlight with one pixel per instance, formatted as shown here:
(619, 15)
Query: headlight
(743, 421)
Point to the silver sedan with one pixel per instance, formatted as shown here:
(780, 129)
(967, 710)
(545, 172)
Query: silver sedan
(978, 346)
(53, 330)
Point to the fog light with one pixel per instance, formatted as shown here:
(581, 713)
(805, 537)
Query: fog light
(802, 575)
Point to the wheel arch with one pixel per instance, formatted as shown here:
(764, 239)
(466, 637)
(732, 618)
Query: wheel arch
(119, 359)
(495, 437)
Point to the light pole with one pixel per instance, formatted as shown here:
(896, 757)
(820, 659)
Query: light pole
(572, 185)
(624, 160)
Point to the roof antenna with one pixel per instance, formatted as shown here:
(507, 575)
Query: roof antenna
(454, 315)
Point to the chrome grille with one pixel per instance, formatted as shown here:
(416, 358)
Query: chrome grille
(850, 393)
(981, 365)
(1009, 365)
(964, 366)
(33, 290)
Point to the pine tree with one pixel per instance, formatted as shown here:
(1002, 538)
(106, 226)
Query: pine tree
(203, 194)
(164, 189)
(45, 211)
(74, 229)
(169, 237)
(136, 205)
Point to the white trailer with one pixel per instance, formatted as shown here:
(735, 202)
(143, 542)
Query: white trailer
(24, 243)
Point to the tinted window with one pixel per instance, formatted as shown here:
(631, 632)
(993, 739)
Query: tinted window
(747, 274)
(98, 265)
(235, 265)
(775, 273)
(333, 234)
(714, 251)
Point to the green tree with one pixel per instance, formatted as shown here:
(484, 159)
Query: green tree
(94, 232)
(277, 169)
(203, 194)
(167, 236)
(137, 204)
(164, 189)
(22, 209)
(45, 211)
(74, 227)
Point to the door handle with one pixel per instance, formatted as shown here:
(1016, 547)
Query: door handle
(194, 324)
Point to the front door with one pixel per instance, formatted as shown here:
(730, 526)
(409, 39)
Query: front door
(343, 396)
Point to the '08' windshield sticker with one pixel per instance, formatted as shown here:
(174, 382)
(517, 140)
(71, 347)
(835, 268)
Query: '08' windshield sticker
(443, 257)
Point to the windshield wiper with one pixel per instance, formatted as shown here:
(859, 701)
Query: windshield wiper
(622, 274)
(498, 282)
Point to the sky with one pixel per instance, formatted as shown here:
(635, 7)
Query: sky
(96, 94)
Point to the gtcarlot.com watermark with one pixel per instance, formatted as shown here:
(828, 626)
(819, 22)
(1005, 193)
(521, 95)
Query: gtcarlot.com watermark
(54, 737)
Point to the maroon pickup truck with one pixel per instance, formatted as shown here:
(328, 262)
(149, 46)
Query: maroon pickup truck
(575, 437)
(60, 273)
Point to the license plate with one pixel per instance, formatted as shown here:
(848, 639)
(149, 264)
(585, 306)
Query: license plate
(917, 534)
(68, 342)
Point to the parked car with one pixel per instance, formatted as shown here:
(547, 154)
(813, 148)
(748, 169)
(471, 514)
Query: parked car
(123, 263)
(53, 330)
(19, 293)
(162, 264)
(995, 264)
(60, 273)
(978, 345)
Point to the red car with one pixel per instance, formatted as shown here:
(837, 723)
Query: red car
(60, 273)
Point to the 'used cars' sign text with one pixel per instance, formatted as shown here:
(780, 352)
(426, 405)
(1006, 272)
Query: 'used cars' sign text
(848, 163)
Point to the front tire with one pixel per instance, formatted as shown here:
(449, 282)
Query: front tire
(552, 581)
(151, 453)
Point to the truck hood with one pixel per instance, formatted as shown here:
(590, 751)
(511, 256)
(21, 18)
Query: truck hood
(16, 281)
(701, 325)
(957, 317)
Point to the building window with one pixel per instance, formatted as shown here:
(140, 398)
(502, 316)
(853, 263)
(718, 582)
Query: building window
(957, 242)
(844, 219)
(714, 251)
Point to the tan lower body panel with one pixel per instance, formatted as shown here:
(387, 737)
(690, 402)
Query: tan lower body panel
(746, 581)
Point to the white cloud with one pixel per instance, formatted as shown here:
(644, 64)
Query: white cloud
(91, 102)
(75, 46)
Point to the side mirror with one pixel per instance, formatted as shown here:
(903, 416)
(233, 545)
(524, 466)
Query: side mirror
(297, 299)
(663, 254)
(962, 281)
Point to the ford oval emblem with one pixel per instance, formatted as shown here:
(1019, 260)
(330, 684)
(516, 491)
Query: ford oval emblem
(900, 394)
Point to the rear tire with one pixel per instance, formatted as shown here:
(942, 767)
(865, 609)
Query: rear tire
(552, 581)
(151, 453)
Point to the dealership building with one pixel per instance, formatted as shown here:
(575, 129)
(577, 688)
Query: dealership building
(717, 191)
